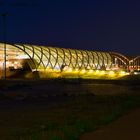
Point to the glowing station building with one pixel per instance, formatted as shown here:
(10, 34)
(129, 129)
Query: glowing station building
(44, 58)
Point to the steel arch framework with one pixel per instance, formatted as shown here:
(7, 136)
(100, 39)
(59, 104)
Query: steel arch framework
(57, 59)
(135, 63)
(54, 58)
(119, 60)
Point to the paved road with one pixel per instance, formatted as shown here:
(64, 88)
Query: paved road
(125, 128)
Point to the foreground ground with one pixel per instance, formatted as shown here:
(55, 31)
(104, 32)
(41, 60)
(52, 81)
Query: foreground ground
(125, 128)
(62, 110)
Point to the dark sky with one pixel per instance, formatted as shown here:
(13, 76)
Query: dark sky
(102, 25)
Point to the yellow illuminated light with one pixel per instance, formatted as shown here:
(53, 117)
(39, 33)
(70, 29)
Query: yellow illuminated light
(76, 70)
(90, 71)
(97, 71)
(102, 72)
(127, 73)
(48, 69)
(111, 73)
(69, 70)
(122, 73)
(83, 71)
(15, 62)
(65, 68)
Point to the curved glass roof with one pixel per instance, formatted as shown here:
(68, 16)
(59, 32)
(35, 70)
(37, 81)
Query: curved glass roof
(46, 57)
(43, 57)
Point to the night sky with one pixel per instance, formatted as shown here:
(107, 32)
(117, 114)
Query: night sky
(101, 25)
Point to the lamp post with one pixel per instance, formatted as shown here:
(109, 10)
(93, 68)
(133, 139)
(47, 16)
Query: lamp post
(4, 15)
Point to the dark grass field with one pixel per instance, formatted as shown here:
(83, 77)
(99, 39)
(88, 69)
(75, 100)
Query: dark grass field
(63, 109)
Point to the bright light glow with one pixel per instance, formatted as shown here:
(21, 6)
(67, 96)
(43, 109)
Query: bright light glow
(122, 73)
(65, 68)
(69, 70)
(90, 71)
(127, 73)
(97, 71)
(111, 73)
(22, 56)
(83, 71)
(136, 73)
(76, 70)
(48, 69)
(15, 62)
(102, 72)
